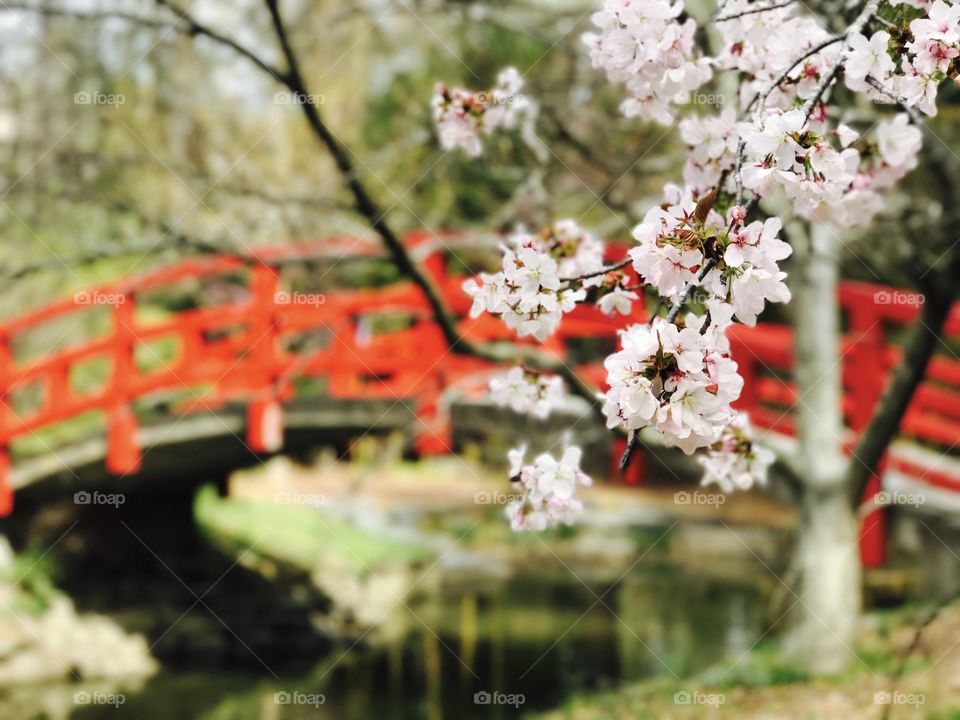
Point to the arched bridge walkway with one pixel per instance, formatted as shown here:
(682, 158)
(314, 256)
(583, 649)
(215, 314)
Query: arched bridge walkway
(243, 363)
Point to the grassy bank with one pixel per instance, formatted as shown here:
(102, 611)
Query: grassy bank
(889, 678)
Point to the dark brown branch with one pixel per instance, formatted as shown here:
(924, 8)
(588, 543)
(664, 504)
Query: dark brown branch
(367, 207)
(183, 24)
(602, 271)
(940, 291)
(754, 10)
(632, 439)
(364, 202)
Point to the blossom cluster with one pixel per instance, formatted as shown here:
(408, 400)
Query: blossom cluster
(643, 45)
(677, 238)
(784, 55)
(779, 137)
(463, 117)
(827, 183)
(712, 142)
(547, 488)
(763, 47)
(539, 280)
(528, 392)
(678, 380)
(927, 56)
(735, 461)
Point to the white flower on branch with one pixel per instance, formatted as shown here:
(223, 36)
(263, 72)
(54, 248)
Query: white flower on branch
(528, 392)
(547, 489)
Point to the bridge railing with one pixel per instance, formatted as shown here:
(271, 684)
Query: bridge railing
(253, 348)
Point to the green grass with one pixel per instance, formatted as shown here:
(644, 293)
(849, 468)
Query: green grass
(32, 576)
(764, 666)
(300, 535)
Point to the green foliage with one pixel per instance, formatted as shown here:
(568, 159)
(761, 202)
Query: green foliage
(764, 666)
(32, 577)
(299, 535)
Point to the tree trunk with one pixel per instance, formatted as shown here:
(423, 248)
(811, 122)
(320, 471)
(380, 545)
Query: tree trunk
(826, 563)
(828, 594)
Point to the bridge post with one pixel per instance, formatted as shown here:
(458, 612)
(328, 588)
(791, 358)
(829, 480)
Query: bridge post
(867, 358)
(123, 450)
(6, 414)
(264, 413)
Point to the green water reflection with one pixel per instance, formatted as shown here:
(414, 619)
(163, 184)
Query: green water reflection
(541, 638)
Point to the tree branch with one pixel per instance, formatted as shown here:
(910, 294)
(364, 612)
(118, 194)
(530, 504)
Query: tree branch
(753, 10)
(896, 399)
(183, 24)
(940, 292)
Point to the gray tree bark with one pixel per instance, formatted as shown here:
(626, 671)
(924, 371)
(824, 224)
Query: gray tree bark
(827, 594)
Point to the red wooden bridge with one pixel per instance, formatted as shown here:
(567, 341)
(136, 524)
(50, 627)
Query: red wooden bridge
(252, 346)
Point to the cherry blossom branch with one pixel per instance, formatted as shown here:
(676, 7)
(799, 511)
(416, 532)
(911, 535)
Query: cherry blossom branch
(807, 109)
(754, 10)
(602, 271)
(366, 206)
(869, 10)
(761, 98)
(688, 288)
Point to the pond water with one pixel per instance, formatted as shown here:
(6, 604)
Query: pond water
(486, 652)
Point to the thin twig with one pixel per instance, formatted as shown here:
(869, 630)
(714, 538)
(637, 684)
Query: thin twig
(754, 10)
(602, 271)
